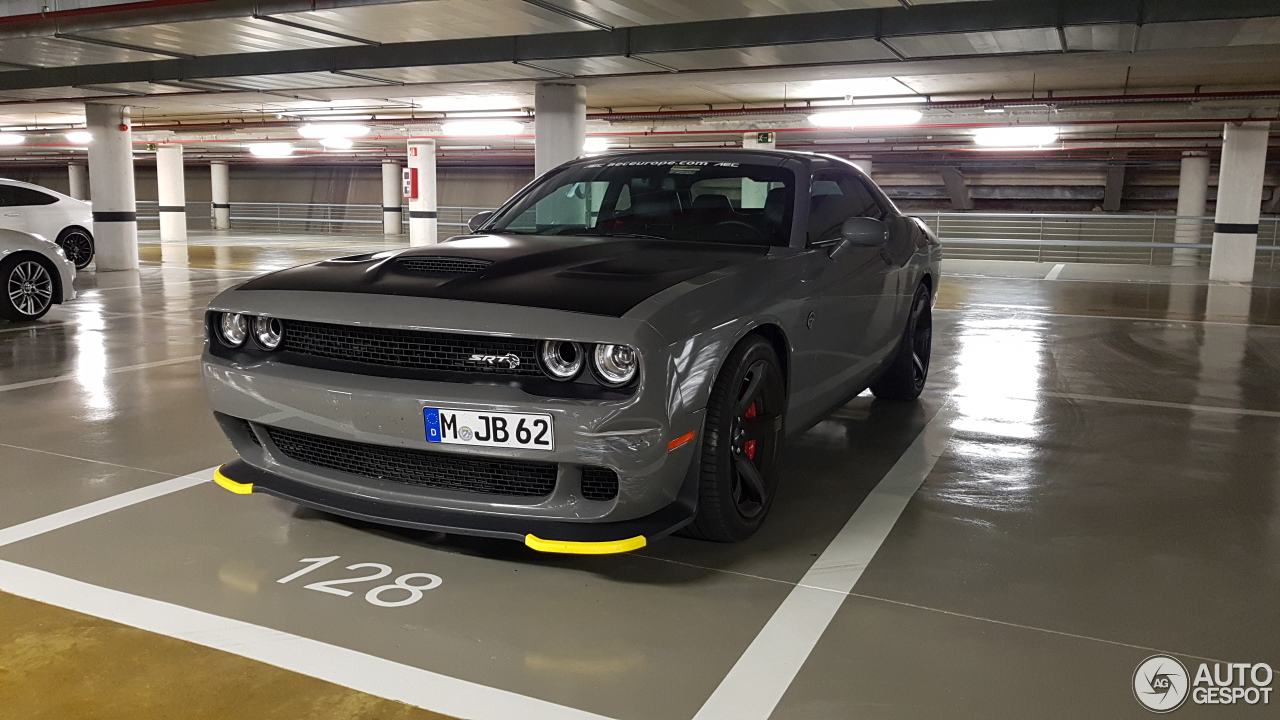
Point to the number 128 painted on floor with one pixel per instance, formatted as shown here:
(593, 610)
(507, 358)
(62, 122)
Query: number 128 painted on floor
(374, 596)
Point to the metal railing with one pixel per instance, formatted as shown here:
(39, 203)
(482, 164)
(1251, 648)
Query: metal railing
(1088, 238)
(1038, 237)
(307, 217)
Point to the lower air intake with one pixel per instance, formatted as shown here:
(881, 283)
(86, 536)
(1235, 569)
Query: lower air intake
(447, 471)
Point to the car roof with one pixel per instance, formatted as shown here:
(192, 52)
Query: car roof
(726, 154)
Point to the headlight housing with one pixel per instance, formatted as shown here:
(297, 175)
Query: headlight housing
(561, 360)
(615, 365)
(267, 332)
(233, 329)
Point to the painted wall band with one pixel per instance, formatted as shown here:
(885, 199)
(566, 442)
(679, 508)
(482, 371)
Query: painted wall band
(173, 209)
(222, 206)
(423, 214)
(391, 209)
(111, 216)
(1236, 228)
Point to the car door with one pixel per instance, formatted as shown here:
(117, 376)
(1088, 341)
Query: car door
(853, 295)
(11, 214)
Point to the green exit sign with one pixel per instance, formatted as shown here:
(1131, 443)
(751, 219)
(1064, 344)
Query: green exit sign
(764, 138)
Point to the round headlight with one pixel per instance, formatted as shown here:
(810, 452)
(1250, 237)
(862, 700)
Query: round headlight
(267, 332)
(561, 360)
(615, 365)
(233, 328)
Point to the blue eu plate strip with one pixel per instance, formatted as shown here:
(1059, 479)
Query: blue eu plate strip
(432, 416)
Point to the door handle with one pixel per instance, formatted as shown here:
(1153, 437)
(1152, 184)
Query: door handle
(13, 214)
(886, 257)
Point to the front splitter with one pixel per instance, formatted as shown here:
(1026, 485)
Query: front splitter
(553, 536)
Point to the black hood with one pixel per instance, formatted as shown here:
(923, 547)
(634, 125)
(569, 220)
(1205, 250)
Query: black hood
(600, 276)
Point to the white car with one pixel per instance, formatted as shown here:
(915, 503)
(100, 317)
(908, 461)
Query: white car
(51, 215)
(35, 274)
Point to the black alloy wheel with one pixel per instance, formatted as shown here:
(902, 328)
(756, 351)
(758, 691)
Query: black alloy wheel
(905, 377)
(78, 246)
(28, 288)
(741, 443)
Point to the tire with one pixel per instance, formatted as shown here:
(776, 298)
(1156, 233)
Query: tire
(78, 245)
(905, 377)
(27, 287)
(741, 440)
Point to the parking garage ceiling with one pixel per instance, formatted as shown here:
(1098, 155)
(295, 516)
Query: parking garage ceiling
(1149, 79)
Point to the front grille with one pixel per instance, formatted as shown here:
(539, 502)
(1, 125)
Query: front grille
(414, 349)
(442, 265)
(489, 476)
(599, 483)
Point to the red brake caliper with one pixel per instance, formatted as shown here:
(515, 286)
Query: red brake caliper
(749, 447)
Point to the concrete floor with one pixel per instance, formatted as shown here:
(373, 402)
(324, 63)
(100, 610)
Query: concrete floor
(1106, 486)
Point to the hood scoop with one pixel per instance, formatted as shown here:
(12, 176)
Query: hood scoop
(437, 265)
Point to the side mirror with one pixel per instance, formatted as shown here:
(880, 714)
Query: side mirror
(860, 232)
(478, 220)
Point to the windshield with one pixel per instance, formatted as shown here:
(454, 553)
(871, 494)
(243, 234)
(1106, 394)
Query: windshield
(695, 200)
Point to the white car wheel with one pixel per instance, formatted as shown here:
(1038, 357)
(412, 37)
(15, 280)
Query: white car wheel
(28, 289)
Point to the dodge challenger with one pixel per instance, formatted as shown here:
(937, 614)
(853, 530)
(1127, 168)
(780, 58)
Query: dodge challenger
(617, 353)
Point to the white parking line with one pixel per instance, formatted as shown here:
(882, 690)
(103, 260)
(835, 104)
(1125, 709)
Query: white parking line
(356, 670)
(1056, 271)
(762, 675)
(111, 371)
(49, 523)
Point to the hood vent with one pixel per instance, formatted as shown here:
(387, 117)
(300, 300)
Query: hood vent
(434, 265)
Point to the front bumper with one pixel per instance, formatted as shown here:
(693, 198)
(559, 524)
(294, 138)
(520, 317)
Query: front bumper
(543, 535)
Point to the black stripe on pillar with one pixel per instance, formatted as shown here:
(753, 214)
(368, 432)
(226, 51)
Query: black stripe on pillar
(173, 208)
(422, 214)
(222, 206)
(108, 216)
(1236, 228)
(386, 208)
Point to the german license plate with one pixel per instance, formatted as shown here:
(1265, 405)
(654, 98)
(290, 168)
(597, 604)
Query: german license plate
(489, 429)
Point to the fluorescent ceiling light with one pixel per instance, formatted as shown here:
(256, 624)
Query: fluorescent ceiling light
(1015, 136)
(595, 145)
(464, 103)
(858, 86)
(271, 149)
(482, 128)
(867, 118)
(337, 143)
(899, 100)
(993, 110)
(7, 138)
(336, 130)
(80, 137)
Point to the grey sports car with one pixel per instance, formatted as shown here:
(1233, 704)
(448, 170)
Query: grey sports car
(617, 353)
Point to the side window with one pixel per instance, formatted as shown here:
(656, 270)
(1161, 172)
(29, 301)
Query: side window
(7, 196)
(575, 204)
(834, 197)
(27, 196)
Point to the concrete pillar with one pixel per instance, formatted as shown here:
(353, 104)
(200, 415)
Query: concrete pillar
(422, 189)
(1235, 228)
(1113, 191)
(220, 176)
(1193, 190)
(957, 188)
(115, 209)
(392, 198)
(78, 177)
(560, 124)
(172, 193)
(864, 164)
